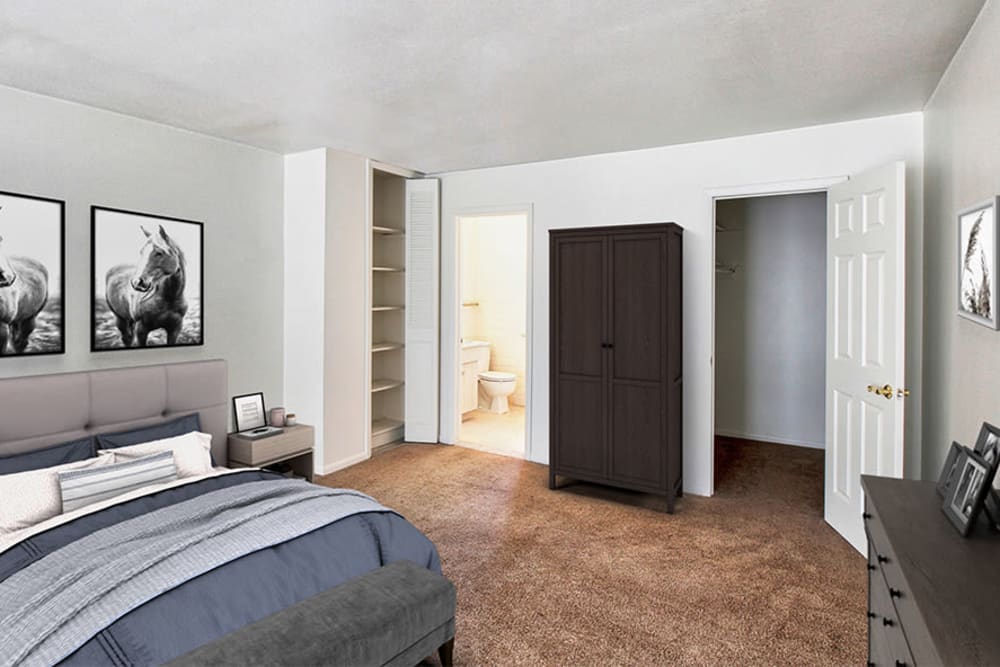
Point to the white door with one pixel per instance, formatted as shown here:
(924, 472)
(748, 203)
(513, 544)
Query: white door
(866, 269)
(421, 349)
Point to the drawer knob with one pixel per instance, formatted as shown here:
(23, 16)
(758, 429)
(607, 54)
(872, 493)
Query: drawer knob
(895, 592)
(887, 622)
(866, 515)
(883, 559)
(872, 614)
(871, 567)
(900, 663)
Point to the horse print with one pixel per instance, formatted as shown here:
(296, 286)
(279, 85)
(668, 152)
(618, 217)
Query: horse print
(31, 275)
(147, 280)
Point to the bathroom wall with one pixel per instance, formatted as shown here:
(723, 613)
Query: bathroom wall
(494, 256)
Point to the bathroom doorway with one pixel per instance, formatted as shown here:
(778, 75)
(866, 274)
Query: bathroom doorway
(493, 326)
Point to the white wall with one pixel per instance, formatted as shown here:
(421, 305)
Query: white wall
(962, 365)
(326, 312)
(495, 274)
(671, 184)
(305, 242)
(87, 156)
(770, 340)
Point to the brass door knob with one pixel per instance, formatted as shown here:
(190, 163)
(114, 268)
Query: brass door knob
(885, 391)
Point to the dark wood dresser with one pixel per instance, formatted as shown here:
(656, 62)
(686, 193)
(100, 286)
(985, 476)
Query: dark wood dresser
(933, 596)
(616, 365)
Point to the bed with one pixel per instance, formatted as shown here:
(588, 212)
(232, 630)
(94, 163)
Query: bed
(146, 577)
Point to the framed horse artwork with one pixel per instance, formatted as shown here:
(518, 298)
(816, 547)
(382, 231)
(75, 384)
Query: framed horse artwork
(32, 263)
(146, 286)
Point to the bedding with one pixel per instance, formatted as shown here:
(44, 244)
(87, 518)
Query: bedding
(167, 429)
(292, 540)
(67, 452)
(28, 498)
(192, 452)
(80, 488)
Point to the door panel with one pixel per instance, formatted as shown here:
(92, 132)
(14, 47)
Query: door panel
(865, 346)
(637, 434)
(580, 301)
(638, 365)
(580, 423)
(638, 305)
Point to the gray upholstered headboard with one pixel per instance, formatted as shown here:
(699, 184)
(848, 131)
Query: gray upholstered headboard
(42, 410)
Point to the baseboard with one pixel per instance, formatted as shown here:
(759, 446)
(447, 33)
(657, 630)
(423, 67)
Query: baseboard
(344, 463)
(769, 438)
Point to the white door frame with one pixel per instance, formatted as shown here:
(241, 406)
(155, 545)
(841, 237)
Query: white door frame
(451, 413)
(776, 188)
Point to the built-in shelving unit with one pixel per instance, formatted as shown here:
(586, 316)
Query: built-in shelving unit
(388, 267)
(383, 384)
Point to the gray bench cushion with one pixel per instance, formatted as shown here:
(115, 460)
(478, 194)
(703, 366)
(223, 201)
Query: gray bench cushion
(396, 615)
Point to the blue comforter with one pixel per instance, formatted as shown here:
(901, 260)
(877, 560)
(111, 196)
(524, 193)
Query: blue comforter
(242, 591)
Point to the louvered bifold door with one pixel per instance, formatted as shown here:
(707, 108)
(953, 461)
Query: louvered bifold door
(422, 304)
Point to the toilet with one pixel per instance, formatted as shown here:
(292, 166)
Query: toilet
(495, 387)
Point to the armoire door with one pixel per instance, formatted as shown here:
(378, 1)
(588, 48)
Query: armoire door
(579, 294)
(638, 359)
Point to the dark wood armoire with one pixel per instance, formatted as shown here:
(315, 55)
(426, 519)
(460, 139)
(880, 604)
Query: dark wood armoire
(615, 358)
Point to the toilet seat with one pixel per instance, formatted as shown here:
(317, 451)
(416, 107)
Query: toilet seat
(497, 376)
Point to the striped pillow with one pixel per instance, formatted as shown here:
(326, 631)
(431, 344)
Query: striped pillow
(85, 487)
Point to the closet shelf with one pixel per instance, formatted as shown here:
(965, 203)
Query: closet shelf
(386, 346)
(387, 231)
(380, 309)
(384, 384)
(380, 426)
(388, 269)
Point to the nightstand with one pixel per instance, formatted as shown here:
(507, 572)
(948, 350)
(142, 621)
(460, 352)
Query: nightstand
(294, 446)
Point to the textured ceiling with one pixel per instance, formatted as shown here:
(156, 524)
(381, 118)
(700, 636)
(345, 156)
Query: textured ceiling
(454, 84)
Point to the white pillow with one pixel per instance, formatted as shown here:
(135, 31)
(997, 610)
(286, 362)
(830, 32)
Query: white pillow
(192, 452)
(30, 497)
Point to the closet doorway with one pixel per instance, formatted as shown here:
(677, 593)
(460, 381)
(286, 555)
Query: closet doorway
(770, 348)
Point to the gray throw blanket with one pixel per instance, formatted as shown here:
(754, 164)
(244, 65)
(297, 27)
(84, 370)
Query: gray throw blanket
(52, 607)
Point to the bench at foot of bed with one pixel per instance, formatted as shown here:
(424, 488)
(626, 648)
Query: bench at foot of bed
(391, 617)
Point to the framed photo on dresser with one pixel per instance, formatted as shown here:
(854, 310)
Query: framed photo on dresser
(965, 498)
(947, 478)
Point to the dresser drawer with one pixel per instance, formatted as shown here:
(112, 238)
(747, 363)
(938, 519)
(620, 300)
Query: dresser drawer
(887, 632)
(294, 440)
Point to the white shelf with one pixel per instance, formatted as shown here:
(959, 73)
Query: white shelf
(380, 309)
(383, 384)
(380, 426)
(387, 231)
(386, 346)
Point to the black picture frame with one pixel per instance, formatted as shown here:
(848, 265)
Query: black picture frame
(988, 442)
(53, 312)
(947, 476)
(965, 498)
(104, 321)
(236, 412)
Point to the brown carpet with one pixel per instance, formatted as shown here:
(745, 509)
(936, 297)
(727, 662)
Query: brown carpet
(588, 576)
